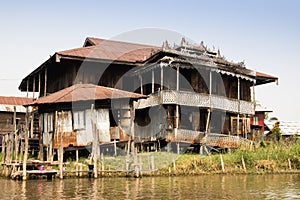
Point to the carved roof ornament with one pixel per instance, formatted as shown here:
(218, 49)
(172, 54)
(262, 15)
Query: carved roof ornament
(202, 47)
(166, 45)
(183, 42)
(219, 54)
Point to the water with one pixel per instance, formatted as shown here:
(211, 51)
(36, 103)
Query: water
(210, 187)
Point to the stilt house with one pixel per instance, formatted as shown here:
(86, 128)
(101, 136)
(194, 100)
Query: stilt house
(192, 92)
(81, 114)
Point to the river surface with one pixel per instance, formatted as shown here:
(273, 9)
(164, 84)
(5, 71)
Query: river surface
(209, 187)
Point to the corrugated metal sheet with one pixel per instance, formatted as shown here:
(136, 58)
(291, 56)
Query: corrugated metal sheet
(288, 128)
(113, 51)
(17, 101)
(7, 104)
(84, 92)
(10, 108)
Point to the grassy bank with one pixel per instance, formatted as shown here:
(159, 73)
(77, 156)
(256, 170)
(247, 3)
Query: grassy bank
(267, 158)
(264, 158)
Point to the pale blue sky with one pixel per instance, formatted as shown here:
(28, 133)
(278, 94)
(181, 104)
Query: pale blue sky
(263, 33)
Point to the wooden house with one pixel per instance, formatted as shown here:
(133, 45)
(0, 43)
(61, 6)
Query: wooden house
(12, 114)
(257, 122)
(191, 91)
(77, 116)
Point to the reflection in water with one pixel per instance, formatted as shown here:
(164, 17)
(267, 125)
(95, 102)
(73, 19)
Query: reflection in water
(192, 187)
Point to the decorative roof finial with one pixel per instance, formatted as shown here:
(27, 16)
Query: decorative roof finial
(183, 41)
(166, 45)
(219, 54)
(202, 47)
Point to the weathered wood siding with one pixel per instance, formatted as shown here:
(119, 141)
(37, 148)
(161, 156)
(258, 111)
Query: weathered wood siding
(6, 121)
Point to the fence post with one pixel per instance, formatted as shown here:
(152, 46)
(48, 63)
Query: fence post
(222, 163)
(244, 165)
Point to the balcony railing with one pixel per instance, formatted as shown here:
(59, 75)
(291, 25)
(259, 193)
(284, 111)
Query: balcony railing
(197, 100)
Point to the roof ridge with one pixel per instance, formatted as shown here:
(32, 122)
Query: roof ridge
(119, 41)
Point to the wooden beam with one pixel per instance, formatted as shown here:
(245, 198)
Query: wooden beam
(141, 83)
(177, 79)
(210, 82)
(45, 83)
(27, 88)
(33, 88)
(39, 85)
(152, 81)
(161, 77)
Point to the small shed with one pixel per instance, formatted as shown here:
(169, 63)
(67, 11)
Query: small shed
(287, 128)
(78, 115)
(7, 107)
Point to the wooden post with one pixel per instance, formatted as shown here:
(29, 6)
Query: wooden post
(141, 81)
(15, 134)
(290, 165)
(10, 147)
(80, 168)
(177, 79)
(161, 78)
(22, 145)
(222, 163)
(77, 160)
(61, 150)
(173, 161)
(33, 88)
(3, 148)
(102, 163)
(95, 142)
(244, 165)
(115, 147)
(152, 162)
(41, 146)
(207, 121)
(135, 163)
(26, 146)
(39, 85)
(152, 81)
(210, 82)
(45, 83)
(238, 115)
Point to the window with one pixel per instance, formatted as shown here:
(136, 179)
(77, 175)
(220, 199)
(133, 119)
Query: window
(79, 120)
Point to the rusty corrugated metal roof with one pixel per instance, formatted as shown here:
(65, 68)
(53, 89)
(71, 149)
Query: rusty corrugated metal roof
(262, 78)
(112, 50)
(7, 103)
(17, 101)
(85, 92)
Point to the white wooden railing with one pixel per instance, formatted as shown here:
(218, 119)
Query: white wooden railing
(197, 100)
